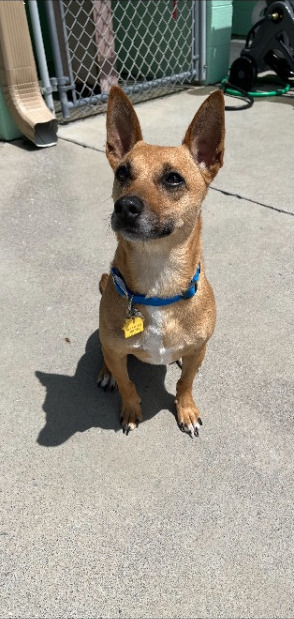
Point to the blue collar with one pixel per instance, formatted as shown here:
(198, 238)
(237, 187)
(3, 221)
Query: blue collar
(124, 291)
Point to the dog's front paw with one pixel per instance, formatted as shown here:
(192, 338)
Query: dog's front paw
(189, 418)
(131, 414)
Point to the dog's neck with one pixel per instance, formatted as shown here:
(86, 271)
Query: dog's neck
(159, 267)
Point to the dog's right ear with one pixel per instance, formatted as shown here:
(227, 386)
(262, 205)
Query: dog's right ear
(123, 127)
(205, 135)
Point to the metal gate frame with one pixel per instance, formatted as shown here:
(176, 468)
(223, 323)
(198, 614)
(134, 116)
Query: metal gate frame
(83, 106)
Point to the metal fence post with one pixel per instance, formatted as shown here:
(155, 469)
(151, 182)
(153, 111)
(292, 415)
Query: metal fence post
(195, 39)
(47, 88)
(61, 79)
(202, 63)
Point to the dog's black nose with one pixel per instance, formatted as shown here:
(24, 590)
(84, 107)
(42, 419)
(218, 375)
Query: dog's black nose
(128, 208)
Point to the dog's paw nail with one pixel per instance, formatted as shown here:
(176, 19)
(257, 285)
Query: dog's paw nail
(190, 429)
(112, 383)
(128, 426)
(196, 432)
(106, 381)
(125, 428)
(200, 421)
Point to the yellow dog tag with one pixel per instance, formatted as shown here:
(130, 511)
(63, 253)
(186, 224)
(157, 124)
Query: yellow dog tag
(133, 325)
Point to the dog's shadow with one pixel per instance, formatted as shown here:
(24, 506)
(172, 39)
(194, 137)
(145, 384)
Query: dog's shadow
(74, 404)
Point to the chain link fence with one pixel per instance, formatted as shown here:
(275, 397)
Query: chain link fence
(148, 47)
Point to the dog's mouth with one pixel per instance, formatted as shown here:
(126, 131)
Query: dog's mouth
(142, 229)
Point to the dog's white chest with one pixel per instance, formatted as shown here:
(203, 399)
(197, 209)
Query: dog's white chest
(151, 340)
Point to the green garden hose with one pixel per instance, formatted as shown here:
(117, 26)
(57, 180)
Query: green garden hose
(235, 91)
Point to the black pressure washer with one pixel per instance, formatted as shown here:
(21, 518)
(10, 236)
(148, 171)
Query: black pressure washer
(269, 44)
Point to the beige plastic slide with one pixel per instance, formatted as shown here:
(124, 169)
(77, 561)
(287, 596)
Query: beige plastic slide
(18, 77)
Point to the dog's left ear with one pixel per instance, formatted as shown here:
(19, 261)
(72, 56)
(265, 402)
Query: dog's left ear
(205, 135)
(123, 127)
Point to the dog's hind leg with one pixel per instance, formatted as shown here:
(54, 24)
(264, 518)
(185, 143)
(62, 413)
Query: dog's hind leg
(189, 419)
(103, 282)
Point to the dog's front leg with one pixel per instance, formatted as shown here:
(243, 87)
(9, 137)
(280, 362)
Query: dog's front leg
(131, 412)
(189, 419)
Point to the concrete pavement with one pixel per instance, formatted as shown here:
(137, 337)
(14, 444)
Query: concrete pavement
(94, 523)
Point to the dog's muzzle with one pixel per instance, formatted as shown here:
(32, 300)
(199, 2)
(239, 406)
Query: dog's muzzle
(127, 210)
(135, 222)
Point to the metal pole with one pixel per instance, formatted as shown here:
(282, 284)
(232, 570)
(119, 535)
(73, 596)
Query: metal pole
(42, 62)
(67, 52)
(195, 38)
(202, 7)
(61, 79)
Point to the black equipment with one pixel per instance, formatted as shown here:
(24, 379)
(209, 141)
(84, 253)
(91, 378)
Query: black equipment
(269, 44)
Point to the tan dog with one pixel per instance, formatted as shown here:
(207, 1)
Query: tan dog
(158, 192)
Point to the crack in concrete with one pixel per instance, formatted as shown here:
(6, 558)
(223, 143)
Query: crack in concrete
(83, 144)
(237, 195)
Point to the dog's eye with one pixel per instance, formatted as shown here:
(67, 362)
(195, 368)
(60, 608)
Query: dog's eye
(173, 179)
(122, 173)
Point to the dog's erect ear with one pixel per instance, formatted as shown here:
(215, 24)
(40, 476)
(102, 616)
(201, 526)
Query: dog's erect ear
(123, 127)
(205, 135)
